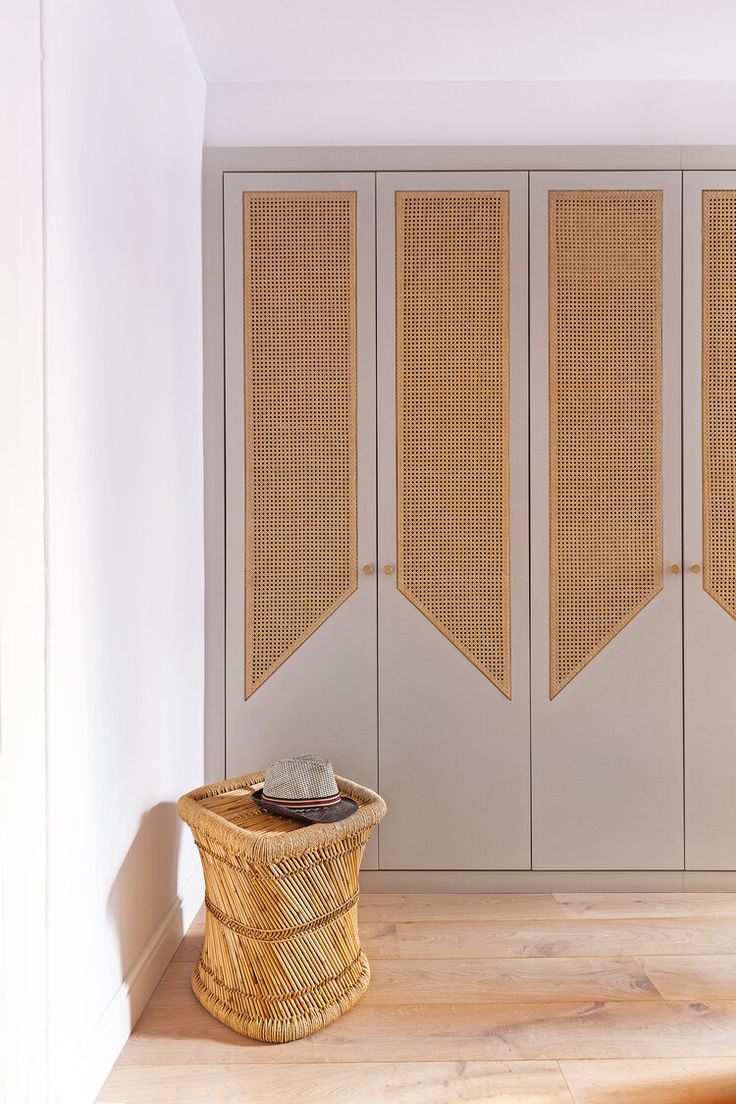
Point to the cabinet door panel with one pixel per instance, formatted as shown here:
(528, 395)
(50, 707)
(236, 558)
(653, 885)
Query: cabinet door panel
(453, 612)
(709, 423)
(605, 502)
(301, 470)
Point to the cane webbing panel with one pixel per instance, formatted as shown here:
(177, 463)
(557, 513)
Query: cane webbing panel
(605, 421)
(452, 354)
(300, 410)
(719, 397)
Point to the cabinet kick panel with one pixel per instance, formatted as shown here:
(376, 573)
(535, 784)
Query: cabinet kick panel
(719, 397)
(299, 281)
(452, 415)
(605, 418)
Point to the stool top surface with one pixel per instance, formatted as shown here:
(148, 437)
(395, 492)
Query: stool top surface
(239, 808)
(227, 812)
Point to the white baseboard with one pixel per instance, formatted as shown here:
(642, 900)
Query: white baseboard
(115, 1025)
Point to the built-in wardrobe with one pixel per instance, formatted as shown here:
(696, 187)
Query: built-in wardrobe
(480, 453)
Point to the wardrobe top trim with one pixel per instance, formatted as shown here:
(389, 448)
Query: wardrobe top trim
(464, 158)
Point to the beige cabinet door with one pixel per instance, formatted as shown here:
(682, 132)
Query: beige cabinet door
(606, 540)
(453, 536)
(709, 485)
(300, 471)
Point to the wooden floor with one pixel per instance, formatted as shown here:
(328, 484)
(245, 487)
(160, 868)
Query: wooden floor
(514, 998)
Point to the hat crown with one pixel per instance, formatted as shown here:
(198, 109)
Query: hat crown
(302, 777)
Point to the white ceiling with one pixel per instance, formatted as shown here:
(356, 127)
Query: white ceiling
(462, 40)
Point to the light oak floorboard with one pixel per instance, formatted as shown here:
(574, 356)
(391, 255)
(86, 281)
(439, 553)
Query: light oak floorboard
(566, 938)
(190, 946)
(693, 977)
(674, 1081)
(607, 906)
(407, 907)
(369, 1083)
(454, 1032)
(635, 1010)
(473, 981)
(444, 981)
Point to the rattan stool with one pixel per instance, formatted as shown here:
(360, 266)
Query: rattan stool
(281, 956)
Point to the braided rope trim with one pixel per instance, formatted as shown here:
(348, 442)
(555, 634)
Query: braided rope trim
(281, 998)
(275, 1030)
(279, 935)
(305, 863)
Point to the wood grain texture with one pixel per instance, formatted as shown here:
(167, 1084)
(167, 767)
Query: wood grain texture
(409, 907)
(443, 981)
(454, 1032)
(401, 1083)
(589, 1026)
(604, 906)
(503, 980)
(566, 938)
(673, 1081)
(693, 977)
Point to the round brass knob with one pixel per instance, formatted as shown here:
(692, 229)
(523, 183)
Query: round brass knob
(675, 569)
(695, 569)
(388, 569)
(368, 569)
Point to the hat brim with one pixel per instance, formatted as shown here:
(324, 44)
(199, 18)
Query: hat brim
(328, 814)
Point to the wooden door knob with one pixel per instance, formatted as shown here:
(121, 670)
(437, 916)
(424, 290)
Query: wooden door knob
(368, 569)
(695, 569)
(388, 569)
(675, 569)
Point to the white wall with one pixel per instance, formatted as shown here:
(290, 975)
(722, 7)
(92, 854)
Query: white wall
(22, 585)
(462, 40)
(366, 113)
(124, 117)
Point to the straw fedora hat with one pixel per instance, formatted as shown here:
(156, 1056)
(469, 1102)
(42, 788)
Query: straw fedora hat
(303, 788)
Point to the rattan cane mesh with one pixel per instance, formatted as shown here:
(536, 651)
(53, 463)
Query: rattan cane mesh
(605, 389)
(300, 413)
(719, 397)
(452, 355)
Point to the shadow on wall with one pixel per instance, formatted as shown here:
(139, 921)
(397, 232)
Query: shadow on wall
(145, 887)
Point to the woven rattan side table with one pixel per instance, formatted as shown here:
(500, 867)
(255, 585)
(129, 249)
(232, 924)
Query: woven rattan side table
(281, 956)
